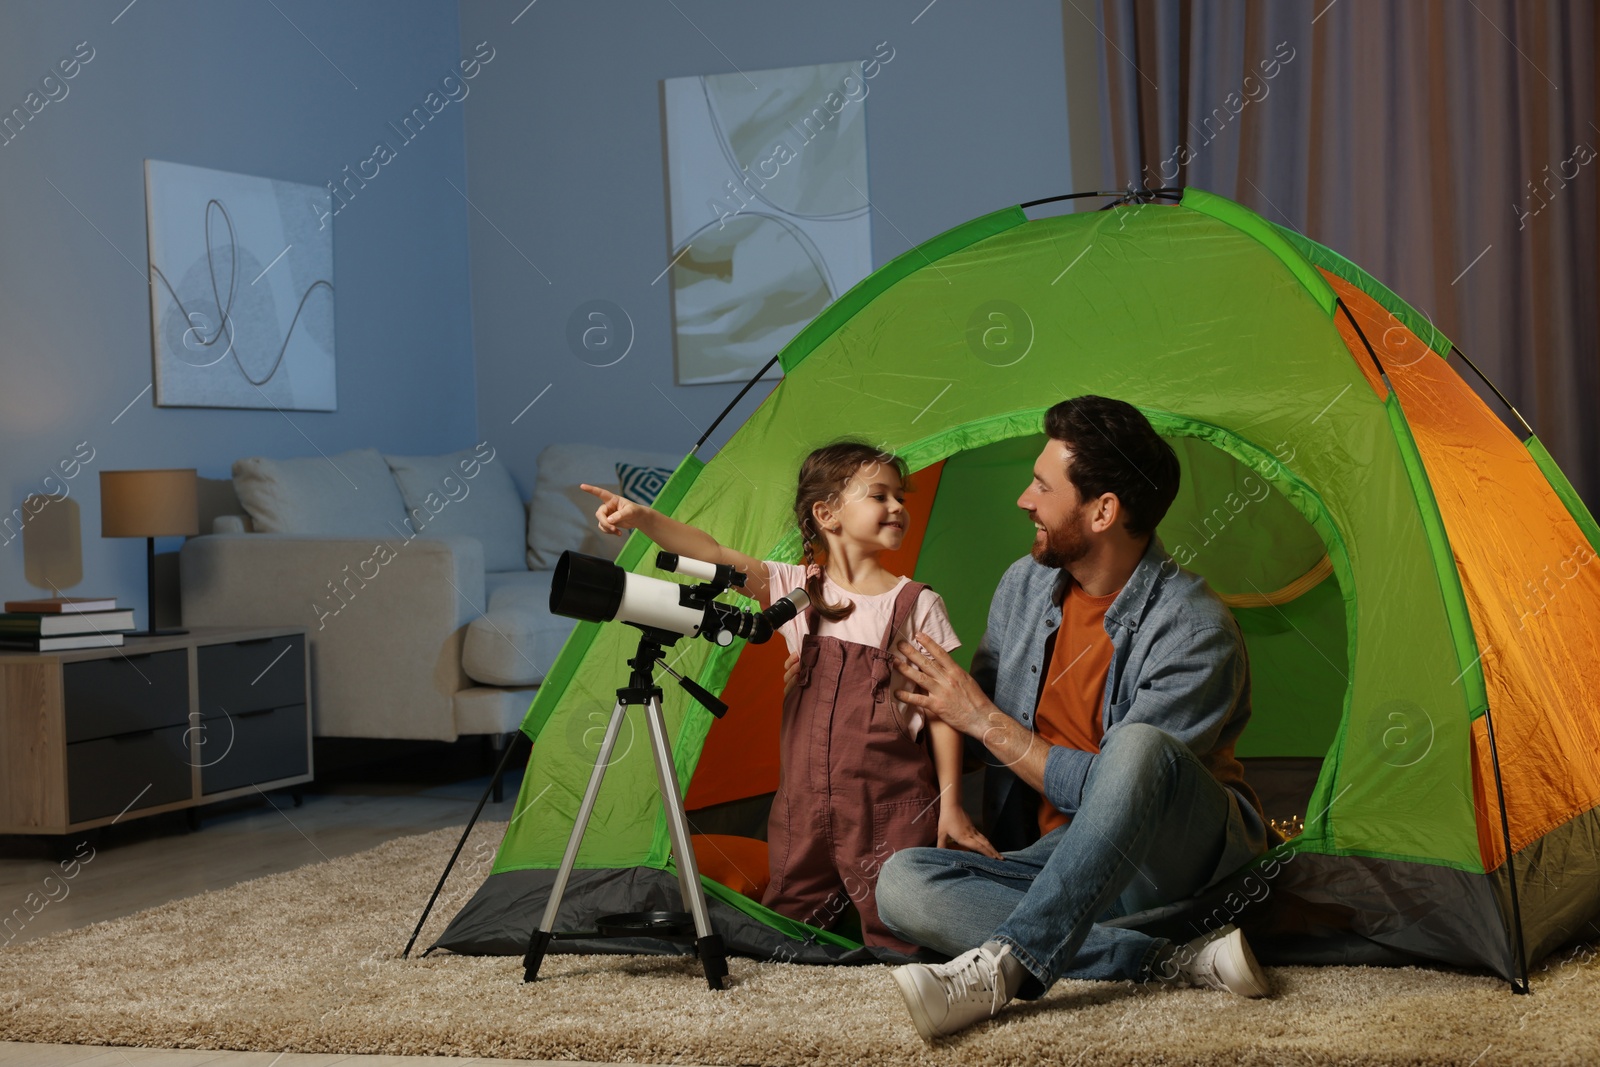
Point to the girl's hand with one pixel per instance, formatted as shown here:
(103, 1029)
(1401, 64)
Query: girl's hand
(615, 514)
(956, 831)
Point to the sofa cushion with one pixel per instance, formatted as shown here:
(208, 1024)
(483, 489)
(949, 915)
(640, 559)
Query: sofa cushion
(532, 583)
(562, 515)
(517, 639)
(464, 494)
(642, 484)
(352, 494)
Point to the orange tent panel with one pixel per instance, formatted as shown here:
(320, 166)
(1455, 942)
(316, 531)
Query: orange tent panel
(1531, 588)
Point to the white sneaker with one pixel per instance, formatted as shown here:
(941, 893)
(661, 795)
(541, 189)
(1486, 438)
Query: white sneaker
(1222, 960)
(947, 997)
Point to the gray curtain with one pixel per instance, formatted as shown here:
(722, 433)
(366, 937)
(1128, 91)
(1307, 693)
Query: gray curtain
(1449, 148)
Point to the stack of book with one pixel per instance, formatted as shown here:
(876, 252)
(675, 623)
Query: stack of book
(62, 623)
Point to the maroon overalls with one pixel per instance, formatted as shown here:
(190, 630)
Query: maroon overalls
(852, 789)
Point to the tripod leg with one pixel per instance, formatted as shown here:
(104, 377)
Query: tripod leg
(540, 939)
(708, 942)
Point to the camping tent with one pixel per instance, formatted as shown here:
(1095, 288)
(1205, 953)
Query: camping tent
(1412, 579)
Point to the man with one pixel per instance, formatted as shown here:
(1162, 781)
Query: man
(1108, 691)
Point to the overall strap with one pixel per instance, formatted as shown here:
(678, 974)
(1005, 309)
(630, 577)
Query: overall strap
(904, 604)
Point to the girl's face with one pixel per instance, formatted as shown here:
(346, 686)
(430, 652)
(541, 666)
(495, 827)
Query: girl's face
(870, 512)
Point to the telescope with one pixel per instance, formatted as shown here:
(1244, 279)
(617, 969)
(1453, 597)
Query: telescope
(597, 590)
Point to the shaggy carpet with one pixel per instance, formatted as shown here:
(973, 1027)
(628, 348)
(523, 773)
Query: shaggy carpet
(308, 961)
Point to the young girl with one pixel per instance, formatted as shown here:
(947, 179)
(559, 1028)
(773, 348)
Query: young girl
(856, 781)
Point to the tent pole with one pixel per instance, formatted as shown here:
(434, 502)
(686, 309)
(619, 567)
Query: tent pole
(1515, 933)
(1485, 379)
(731, 404)
(1164, 193)
(1365, 343)
(1455, 348)
(505, 758)
(1519, 949)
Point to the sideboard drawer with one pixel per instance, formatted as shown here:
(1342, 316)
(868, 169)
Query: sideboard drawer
(256, 746)
(123, 694)
(105, 775)
(252, 675)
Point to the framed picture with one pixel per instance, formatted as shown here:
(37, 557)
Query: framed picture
(241, 290)
(769, 217)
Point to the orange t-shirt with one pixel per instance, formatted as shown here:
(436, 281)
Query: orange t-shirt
(1069, 705)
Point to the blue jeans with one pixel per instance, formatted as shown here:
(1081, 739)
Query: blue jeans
(1150, 830)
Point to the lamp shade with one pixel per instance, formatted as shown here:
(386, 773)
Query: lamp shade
(155, 503)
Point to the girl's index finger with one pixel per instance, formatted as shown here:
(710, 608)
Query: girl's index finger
(594, 490)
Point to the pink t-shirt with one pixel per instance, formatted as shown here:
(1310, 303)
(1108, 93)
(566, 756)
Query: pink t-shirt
(866, 624)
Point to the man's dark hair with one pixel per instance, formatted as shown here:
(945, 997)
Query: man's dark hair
(1116, 450)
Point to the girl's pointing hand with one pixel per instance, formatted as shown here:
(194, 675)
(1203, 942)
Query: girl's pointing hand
(615, 514)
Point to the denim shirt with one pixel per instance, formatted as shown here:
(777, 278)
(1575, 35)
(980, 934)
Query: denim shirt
(1178, 663)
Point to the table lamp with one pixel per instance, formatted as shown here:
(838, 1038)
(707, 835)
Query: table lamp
(149, 504)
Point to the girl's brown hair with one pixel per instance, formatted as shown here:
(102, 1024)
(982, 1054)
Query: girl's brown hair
(823, 478)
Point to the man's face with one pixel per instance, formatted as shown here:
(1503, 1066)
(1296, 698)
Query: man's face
(1061, 524)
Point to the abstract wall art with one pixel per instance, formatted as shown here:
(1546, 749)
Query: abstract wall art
(769, 216)
(241, 291)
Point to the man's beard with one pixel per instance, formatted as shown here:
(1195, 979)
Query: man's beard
(1063, 547)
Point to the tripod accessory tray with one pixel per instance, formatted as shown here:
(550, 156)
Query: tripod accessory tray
(669, 925)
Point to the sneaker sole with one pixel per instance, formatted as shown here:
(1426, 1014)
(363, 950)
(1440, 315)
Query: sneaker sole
(909, 994)
(1253, 981)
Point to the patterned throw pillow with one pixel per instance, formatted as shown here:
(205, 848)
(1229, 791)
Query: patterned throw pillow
(642, 484)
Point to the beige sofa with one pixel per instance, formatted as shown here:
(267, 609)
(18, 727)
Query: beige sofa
(424, 581)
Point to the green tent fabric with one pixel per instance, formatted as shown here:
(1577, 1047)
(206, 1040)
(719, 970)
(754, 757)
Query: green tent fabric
(1220, 327)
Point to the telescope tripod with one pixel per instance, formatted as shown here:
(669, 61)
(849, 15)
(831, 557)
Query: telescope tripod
(641, 691)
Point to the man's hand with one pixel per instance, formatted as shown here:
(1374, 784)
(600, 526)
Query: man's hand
(955, 698)
(791, 667)
(949, 694)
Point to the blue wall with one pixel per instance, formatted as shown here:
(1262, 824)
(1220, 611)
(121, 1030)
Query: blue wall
(235, 87)
(559, 146)
(565, 162)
